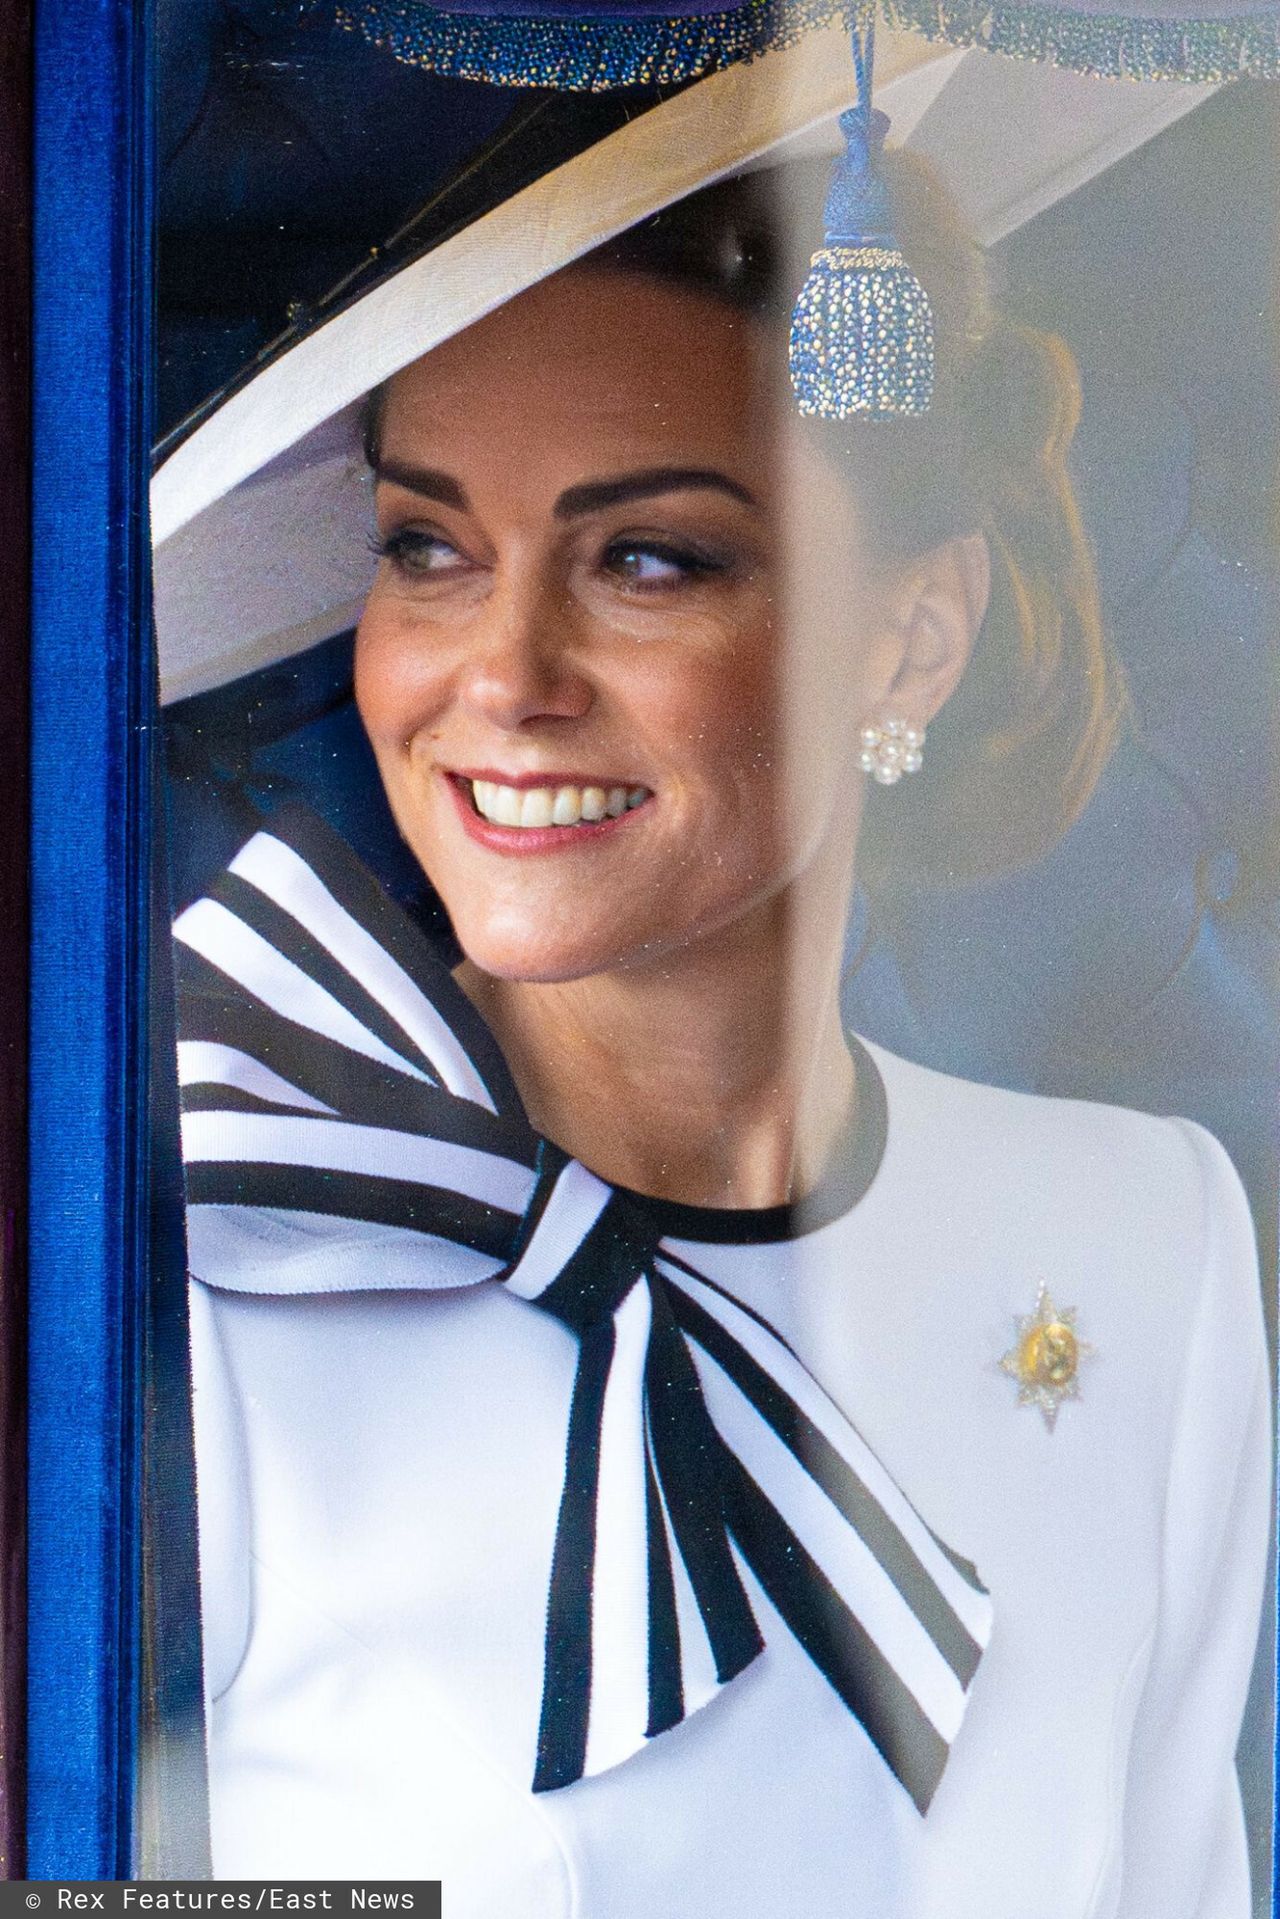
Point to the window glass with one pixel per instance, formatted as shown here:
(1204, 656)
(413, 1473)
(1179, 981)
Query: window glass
(726, 978)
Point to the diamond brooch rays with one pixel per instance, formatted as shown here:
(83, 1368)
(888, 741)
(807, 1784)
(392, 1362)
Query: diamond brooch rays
(1046, 1355)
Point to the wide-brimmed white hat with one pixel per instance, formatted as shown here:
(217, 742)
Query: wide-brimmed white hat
(260, 510)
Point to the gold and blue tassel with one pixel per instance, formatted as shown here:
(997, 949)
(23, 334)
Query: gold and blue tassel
(862, 330)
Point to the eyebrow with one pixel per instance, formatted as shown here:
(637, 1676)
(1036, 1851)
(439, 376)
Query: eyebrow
(590, 497)
(595, 494)
(425, 480)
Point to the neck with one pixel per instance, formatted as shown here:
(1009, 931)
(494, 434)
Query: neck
(718, 1075)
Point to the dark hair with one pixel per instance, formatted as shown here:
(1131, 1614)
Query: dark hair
(1015, 754)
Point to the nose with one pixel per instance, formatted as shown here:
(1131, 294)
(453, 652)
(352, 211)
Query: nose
(524, 661)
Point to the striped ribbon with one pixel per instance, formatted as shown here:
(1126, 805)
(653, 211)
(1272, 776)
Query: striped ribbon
(329, 1063)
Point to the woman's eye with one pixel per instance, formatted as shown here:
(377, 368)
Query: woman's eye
(655, 563)
(414, 551)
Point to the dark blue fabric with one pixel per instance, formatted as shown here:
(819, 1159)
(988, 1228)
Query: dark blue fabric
(287, 149)
(91, 687)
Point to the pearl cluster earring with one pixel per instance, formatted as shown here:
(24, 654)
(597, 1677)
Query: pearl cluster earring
(890, 749)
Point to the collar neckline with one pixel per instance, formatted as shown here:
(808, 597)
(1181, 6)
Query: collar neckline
(844, 1182)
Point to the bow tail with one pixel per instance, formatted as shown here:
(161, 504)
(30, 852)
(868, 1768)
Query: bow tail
(894, 1621)
(647, 1617)
(567, 1669)
(719, 1634)
(666, 1663)
(835, 1639)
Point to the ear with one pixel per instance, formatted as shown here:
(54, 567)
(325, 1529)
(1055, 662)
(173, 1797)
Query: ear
(937, 609)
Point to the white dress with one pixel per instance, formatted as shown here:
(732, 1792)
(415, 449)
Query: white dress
(380, 1453)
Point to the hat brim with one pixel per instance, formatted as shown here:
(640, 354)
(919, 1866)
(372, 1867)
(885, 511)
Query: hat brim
(260, 515)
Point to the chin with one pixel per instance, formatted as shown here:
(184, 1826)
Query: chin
(535, 952)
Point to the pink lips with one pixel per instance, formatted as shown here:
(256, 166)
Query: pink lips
(529, 839)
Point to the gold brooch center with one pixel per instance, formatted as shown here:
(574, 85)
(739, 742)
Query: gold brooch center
(1045, 1357)
(1050, 1354)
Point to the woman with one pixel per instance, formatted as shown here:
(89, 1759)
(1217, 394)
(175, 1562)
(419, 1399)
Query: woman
(614, 1585)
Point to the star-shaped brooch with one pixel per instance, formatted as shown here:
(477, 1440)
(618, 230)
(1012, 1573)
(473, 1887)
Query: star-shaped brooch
(1045, 1356)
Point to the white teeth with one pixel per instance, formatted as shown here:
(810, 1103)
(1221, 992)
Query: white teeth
(542, 806)
(506, 803)
(538, 807)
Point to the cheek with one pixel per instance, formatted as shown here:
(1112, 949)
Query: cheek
(723, 705)
(740, 822)
(728, 717)
(766, 730)
(396, 687)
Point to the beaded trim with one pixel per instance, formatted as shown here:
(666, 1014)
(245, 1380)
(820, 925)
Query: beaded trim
(1109, 46)
(596, 55)
(589, 56)
(857, 259)
(861, 337)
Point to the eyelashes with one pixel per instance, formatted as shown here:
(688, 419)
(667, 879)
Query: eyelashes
(638, 563)
(409, 549)
(648, 564)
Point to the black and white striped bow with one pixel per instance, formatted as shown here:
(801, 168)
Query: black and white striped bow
(330, 1064)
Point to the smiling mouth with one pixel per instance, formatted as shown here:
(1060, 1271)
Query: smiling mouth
(539, 807)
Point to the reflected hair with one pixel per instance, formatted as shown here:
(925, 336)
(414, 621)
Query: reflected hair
(1015, 754)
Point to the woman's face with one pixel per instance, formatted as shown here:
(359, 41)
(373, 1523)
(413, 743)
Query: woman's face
(620, 640)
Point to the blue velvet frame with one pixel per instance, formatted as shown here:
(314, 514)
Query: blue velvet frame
(91, 840)
(91, 698)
